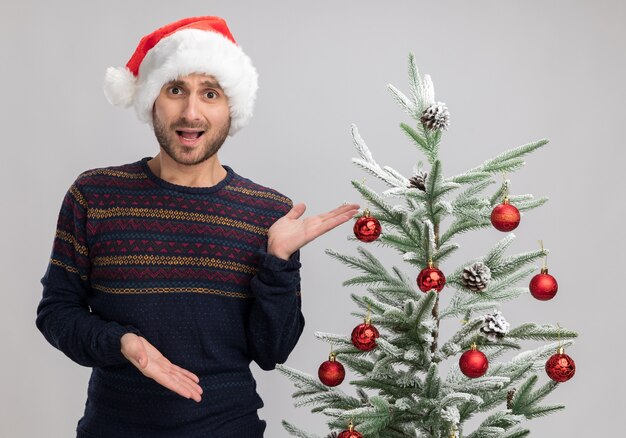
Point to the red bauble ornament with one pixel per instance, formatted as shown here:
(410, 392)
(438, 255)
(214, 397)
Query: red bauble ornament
(543, 286)
(350, 433)
(367, 228)
(364, 336)
(331, 372)
(505, 217)
(431, 278)
(473, 363)
(560, 367)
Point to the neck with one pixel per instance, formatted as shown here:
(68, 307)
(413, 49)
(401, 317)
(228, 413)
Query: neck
(205, 174)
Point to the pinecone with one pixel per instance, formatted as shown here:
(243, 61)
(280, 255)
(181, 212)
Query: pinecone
(419, 180)
(509, 398)
(495, 326)
(477, 276)
(436, 116)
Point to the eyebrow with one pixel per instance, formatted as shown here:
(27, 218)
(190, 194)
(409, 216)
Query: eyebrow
(207, 83)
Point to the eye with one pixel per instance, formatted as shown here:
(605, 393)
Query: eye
(175, 90)
(211, 94)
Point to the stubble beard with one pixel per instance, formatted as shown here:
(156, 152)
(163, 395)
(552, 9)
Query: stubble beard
(167, 137)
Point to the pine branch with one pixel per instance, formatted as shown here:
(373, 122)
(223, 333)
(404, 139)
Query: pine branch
(384, 211)
(503, 419)
(361, 365)
(367, 162)
(407, 105)
(376, 274)
(531, 204)
(369, 420)
(432, 382)
(498, 196)
(416, 86)
(504, 267)
(376, 307)
(507, 161)
(399, 289)
(518, 433)
(495, 255)
(541, 411)
(468, 196)
(338, 340)
(487, 432)
(525, 401)
(419, 141)
(401, 243)
(540, 333)
(444, 252)
(462, 226)
(456, 398)
(471, 177)
(303, 380)
(536, 358)
(460, 338)
(471, 303)
(294, 431)
(368, 264)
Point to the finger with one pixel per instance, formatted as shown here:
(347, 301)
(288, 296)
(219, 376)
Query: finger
(329, 224)
(187, 388)
(340, 210)
(296, 211)
(194, 389)
(341, 216)
(170, 381)
(187, 373)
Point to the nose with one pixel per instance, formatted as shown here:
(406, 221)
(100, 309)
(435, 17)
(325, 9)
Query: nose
(191, 109)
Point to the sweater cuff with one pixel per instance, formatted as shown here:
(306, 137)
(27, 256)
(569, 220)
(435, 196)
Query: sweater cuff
(112, 348)
(273, 263)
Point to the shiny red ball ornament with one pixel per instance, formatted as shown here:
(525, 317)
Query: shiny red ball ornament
(560, 367)
(331, 372)
(505, 217)
(431, 278)
(350, 433)
(543, 286)
(364, 336)
(473, 363)
(367, 228)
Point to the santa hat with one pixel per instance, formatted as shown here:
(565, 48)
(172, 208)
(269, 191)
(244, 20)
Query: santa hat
(192, 45)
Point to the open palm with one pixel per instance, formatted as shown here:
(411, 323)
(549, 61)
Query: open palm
(290, 233)
(154, 365)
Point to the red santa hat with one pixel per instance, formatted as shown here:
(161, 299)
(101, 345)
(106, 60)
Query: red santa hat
(192, 45)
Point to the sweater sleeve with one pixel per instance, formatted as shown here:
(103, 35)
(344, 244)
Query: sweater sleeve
(63, 315)
(276, 321)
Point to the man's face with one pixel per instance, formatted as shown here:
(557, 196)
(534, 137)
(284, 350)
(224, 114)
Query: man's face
(191, 118)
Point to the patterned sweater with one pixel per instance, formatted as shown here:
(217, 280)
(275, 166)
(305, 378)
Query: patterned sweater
(186, 268)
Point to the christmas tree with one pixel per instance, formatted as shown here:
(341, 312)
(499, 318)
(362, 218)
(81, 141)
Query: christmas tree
(397, 353)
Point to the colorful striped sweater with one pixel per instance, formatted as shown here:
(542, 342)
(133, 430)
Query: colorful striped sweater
(185, 267)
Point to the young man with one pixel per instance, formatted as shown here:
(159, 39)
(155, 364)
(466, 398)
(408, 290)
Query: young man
(171, 274)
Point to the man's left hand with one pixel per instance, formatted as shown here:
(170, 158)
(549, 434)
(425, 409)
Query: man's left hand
(290, 233)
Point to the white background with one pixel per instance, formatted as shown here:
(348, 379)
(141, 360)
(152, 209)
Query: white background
(510, 71)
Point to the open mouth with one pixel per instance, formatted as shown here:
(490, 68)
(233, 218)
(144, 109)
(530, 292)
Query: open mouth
(189, 137)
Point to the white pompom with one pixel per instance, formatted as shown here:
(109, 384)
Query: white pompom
(119, 86)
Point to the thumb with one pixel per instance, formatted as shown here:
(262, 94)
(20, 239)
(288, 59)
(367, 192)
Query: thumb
(296, 211)
(142, 357)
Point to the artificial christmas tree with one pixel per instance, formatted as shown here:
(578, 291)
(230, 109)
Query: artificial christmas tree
(408, 396)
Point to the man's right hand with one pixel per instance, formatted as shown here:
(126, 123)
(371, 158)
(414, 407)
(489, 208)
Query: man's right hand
(154, 365)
